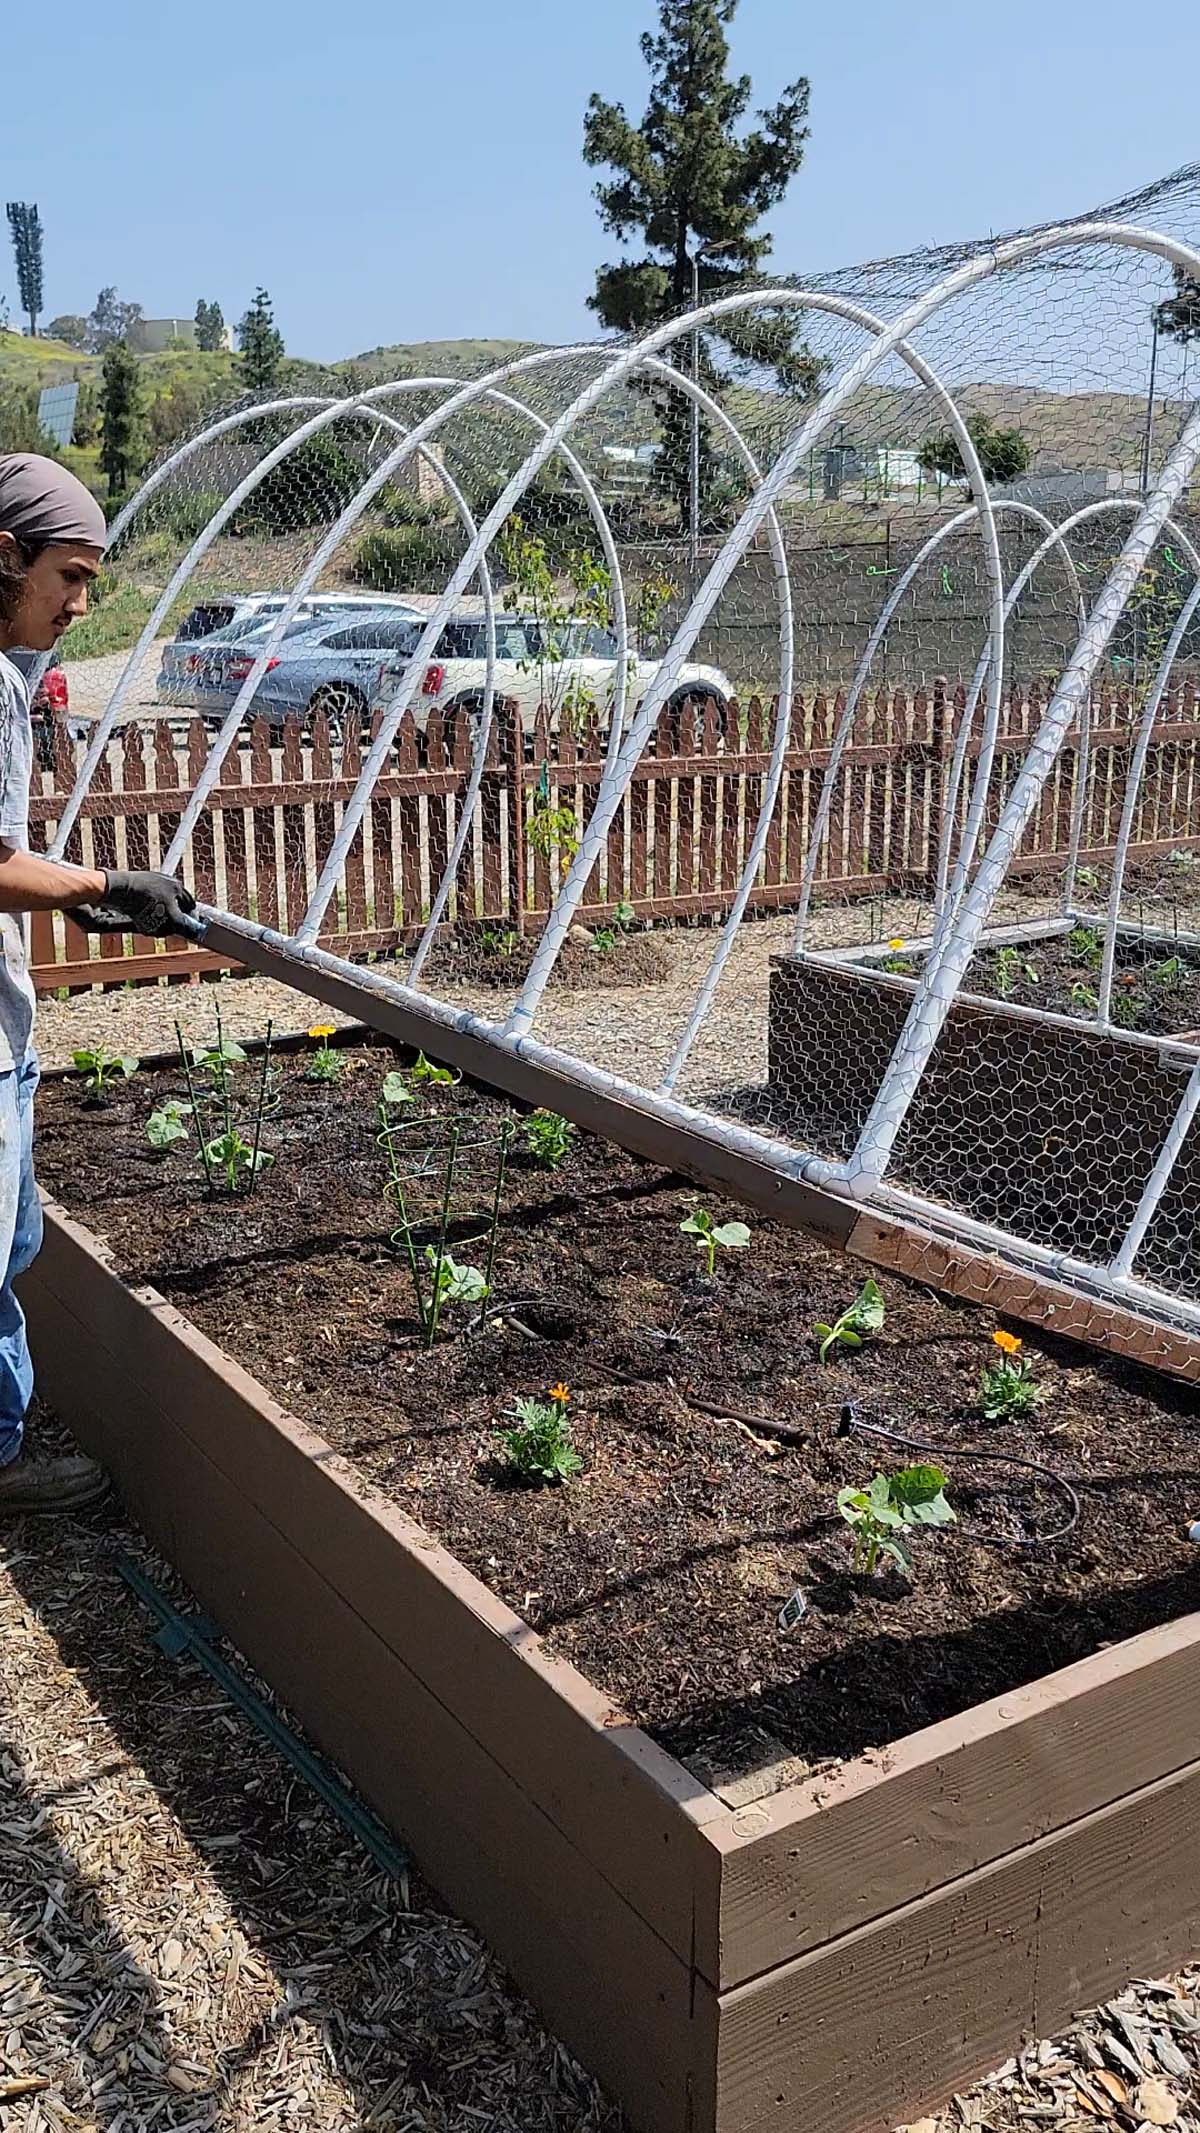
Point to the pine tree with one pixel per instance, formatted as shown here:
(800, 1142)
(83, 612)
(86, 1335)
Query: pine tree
(261, 345)
(689, 180)
(26, 226)
(210, 326)
(122, 420)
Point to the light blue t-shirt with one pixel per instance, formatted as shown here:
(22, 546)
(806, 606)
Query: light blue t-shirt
(16, 769)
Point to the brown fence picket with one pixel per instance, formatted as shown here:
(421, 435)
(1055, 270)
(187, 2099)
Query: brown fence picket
(677, 841)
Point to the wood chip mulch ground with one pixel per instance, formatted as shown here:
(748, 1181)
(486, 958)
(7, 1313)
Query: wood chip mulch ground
(190, 1940)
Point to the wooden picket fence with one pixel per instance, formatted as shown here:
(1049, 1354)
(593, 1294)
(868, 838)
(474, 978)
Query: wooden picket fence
(675, 849)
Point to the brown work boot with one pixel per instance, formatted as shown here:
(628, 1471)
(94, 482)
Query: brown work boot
(50, 1484)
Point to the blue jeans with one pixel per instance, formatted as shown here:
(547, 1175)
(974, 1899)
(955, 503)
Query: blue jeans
(20, 1243)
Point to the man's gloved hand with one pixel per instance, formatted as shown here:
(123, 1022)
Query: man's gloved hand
(141, 903)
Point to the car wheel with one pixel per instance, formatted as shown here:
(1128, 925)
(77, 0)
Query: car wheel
(341, 704)
(695, 700)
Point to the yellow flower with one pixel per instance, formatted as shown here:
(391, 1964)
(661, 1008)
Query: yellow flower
(1008, 1342)
(323, 1029)
(895, 946)
(560, 1394)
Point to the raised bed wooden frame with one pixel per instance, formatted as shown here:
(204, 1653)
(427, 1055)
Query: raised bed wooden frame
(836, 1956)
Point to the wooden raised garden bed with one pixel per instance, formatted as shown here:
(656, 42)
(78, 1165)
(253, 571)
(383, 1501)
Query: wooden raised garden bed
(732, 1956)
(1028, 1117)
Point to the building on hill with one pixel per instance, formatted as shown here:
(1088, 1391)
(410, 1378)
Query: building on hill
(151, 336)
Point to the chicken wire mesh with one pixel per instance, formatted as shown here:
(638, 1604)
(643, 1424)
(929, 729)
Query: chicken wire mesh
(488, 675)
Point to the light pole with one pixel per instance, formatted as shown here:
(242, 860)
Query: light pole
(1148, 437)
(702, 251)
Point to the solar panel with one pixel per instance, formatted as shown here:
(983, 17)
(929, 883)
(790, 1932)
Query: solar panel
(56, 411)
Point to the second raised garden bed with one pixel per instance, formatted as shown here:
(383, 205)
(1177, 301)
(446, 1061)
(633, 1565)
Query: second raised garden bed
(741, 1865)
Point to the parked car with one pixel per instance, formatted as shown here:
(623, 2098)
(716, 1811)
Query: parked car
(51, 698)
(574, 674)
(235, 617)
(331, 666)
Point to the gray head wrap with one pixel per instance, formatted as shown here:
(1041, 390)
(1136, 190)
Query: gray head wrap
(40, 503)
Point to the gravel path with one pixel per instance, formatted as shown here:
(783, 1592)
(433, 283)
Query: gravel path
(631, 1030)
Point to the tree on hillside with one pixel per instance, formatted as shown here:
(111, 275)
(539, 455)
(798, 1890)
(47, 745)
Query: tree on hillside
(26, 226)
(110, 321)
(261, 345)
(69, 327)
(20, 430)
(122, 421)
(688, 180)
(1003, 454)
(210, 326)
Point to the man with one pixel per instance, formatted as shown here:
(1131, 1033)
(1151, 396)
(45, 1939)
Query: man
(52, 536)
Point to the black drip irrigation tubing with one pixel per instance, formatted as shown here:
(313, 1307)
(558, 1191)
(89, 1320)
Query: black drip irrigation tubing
(176, 1635)
(851, 1424)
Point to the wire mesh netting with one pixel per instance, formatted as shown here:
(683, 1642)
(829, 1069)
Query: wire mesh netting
(822, 760)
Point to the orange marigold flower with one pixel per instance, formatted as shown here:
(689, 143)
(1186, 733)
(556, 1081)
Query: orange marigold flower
(323, 1029)
(895, 946)
(1128, 977)
(560, 1394)
(1008, 1342)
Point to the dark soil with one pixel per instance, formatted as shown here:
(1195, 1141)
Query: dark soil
(659, 1569)
(1156, 985)
(611, 958)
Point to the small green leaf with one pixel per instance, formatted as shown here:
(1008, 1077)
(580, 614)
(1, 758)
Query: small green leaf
(918, 1484)
(396, 1091)
(848, 1338)
(128, 1067)
(697, 1225)
(734, 1236)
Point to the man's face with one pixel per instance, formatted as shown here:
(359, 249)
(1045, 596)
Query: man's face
(54, 593)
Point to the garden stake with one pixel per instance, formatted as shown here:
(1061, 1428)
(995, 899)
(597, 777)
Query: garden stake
(506, 1134)
(435, 1302)
(198, 1122)
(262, 1098)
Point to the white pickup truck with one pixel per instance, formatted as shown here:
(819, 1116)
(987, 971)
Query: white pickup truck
(572, 673)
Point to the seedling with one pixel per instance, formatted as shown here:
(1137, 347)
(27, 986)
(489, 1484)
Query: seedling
(99, 1069)
(539, 1444)
(604, 940)
(218, 1060)
(236, 1158)
(712, 1237)
(1011, 967)
(626, 916)
(325, 1064)
(1125, 1011)
(426, 1074)
(880, 1516)
(547, 1138)
(1083, 998)
(1085, 947)
(396, 1092)
(864, 1318)
(1168, 975)
(455, 1284)
(1087, 878)
(1007, 1386)
(168, 1125)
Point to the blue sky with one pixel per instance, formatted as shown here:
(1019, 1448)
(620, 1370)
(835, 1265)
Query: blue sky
(396, 172)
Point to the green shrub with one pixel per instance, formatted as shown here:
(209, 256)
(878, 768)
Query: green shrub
(404, 559)
(309, 488)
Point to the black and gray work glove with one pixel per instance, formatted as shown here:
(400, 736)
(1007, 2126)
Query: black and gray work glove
(142, 903)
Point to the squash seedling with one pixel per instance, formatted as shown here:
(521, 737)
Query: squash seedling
(712, 1237)
(881, 1516)
(168, 1125)
(864, 1318)
(99, 1069)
